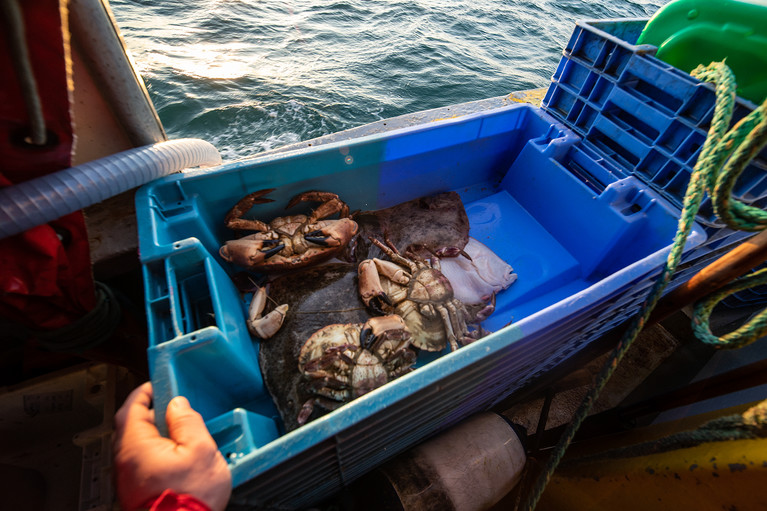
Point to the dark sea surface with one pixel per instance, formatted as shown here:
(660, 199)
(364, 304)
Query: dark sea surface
(252, 75)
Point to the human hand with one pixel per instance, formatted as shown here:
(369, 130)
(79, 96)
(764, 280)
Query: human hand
(146, 463)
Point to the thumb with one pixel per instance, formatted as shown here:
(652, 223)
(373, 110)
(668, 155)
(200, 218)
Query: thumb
(185, 425)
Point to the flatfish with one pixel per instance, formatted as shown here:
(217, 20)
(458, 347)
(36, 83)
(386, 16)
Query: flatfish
(429, 223)
(318, 297)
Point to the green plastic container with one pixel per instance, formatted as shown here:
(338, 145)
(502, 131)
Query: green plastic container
(692, 32)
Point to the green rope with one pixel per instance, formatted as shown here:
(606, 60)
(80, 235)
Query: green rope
(722, 429)
(730, 151)
(754, 329)
(748, 137)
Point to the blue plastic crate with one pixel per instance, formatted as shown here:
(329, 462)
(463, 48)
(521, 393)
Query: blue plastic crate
(643, 117)
(585, 253)
(752, 297)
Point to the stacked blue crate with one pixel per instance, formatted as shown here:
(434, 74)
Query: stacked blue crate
(645, 118)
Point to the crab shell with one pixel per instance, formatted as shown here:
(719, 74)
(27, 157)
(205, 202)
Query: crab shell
(341, 362)
(347, 363)
(288, 242)
(411, 298)
(423, 298)
(248, 252)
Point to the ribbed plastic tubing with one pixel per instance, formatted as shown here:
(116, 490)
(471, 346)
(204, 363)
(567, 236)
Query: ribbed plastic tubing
(38, 201)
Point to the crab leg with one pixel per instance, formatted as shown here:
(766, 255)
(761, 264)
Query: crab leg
(330, 204)
(456, 314)
(331, 355)
(448, 328)
(400, 363)
(328, 383)
(234, 219)
(486, 311)
(264, 327)
(395, 256)
(308, 408)
(452, 252)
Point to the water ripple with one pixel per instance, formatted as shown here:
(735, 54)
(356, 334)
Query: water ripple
(249, 75)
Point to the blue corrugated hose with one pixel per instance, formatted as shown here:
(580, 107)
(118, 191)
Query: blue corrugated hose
(38, 201)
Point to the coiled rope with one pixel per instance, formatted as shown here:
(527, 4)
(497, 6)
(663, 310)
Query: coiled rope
(90, 330)
(723, 157)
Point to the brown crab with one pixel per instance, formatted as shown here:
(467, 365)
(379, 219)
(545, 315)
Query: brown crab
(341, 362)
(416, 290)
(288, 242)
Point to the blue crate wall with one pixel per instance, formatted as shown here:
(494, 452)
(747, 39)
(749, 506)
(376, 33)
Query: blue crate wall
(643, 116)
(480, 386)
(273, 489)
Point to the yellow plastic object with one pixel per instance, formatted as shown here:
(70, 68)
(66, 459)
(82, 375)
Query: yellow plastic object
(692, 32)
(650, 468)
(712, 476)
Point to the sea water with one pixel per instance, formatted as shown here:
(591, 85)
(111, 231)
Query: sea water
(252, 75)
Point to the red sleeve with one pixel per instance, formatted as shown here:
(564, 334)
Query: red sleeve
(172, 501)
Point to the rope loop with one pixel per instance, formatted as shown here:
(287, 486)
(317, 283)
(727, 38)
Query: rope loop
(754, 329)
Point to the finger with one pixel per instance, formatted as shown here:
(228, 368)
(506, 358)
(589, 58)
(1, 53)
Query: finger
(135, 420)
(136, 405)
(185, 426)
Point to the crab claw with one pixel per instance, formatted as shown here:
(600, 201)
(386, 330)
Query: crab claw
(384, 328)
(317, 237)
(249, 251)
(264, 327)
(377, 303)
(332, 233)
(451, 252)
(370, 288)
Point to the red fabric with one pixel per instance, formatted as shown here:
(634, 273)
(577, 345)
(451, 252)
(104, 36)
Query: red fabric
(44, 283)
(172, 501)
(45, 43)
